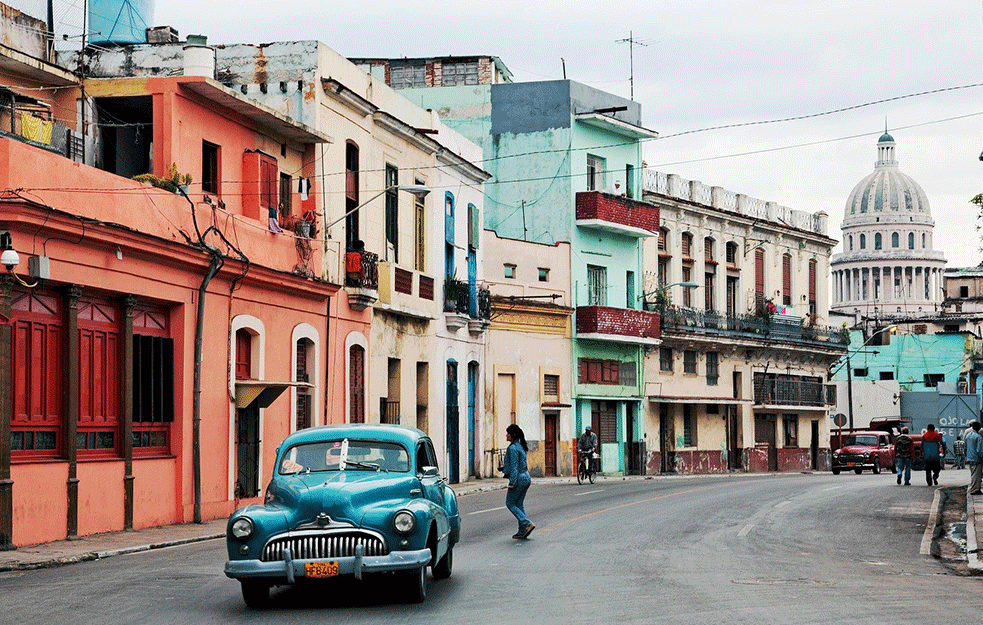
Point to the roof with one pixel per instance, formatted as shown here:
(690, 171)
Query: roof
(394, 433)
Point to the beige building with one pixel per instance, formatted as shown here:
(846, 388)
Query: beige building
(739, 379)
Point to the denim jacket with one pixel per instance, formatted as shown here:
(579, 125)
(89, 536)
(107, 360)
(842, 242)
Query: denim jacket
(515, 462)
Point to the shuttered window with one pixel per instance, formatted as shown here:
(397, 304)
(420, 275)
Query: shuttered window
(98, 419)
(812, 286)
(787, 279)
(356, 384)
(153, 382)
(759, 273)
(36, 423)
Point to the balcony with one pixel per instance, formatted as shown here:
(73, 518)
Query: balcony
(791, 390)
(462, 309)
(619, 215)
(362, 285)
(622, 325)
(775, 327)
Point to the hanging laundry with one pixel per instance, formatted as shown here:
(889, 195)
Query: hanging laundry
(305, 188)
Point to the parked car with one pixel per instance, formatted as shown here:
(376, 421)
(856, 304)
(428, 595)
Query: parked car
(865, 449)
(347, 501)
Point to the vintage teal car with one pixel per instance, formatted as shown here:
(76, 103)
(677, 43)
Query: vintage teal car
(347, 500)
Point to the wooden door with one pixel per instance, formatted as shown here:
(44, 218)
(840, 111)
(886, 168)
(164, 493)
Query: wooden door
(549, 443)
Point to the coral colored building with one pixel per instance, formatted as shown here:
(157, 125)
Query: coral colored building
(108, 422)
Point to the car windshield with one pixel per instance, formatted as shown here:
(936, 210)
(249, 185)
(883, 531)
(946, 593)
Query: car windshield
(861, 440)
(344, 455)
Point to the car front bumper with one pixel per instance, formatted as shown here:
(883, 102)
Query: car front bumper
(290, 569)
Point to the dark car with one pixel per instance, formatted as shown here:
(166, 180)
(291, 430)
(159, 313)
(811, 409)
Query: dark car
(347, 501)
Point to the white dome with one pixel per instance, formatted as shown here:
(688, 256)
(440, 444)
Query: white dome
(887, 193)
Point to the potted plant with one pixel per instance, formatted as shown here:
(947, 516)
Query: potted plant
(172, 182)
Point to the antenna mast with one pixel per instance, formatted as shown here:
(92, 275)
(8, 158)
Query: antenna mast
(631, 60)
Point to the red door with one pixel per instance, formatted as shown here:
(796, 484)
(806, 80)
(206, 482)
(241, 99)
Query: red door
(549, 443)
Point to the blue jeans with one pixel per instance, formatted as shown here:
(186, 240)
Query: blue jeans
(904, 464)
(515, 499)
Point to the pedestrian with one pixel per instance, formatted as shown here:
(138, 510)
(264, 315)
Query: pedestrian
(959, 450)
(932, 451)
(587, 445)
(974, 456)
(517, 471)
(902, 456)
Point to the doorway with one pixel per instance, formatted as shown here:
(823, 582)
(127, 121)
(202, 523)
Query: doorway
(764, 434)
(550, 439)
(247, 452)
(667, 435)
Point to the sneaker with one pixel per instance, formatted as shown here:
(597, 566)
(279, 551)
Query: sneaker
(529, 529)
(518, 535)
(899, 480)
(907, 483)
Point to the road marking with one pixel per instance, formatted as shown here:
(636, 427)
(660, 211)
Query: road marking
(745, 530)
(926, 549)
(782, 503)
(599, 490)
(832, 488)
(488, 510)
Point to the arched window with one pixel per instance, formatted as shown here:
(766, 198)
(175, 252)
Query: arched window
(356, 384)
(863, 241)
(877, 241)
(851, 242)
(911, 240)
(895, 240)
(923, 241)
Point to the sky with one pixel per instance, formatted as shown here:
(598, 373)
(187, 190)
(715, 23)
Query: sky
(701, 64)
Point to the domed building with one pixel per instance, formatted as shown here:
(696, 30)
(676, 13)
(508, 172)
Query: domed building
(888, 267)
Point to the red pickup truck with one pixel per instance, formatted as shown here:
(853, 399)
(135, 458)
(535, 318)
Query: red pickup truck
(863, 449)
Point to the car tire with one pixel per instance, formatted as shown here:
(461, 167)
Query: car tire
(416, 585)
(858, 470)
(443, 568)
(877, 466)
(836, 471)
(256, 593)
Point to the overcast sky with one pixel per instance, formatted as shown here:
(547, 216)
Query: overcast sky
(707, 63)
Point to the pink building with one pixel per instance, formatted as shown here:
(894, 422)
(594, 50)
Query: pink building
(109, 423)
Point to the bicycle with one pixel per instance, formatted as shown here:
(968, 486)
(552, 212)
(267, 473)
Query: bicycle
(585, 468)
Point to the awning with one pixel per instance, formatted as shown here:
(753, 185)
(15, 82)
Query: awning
(547, 405)
(263, 392)
(723, 401)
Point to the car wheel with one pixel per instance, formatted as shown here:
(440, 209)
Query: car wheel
(836, 471)
(442, 570)
(256, 593)
(877, 466)
(416, 585)
(858, 470)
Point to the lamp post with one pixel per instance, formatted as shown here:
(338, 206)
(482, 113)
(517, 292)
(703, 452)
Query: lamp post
(418, 190)
(662, 297)
(849, 370)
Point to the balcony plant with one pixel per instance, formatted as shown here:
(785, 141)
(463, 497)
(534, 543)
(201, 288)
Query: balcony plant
(173, 181)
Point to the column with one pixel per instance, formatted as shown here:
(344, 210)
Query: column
(71, 404)
(6, 412)
(126, 409)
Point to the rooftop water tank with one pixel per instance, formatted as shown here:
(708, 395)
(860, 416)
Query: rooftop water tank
(119, 21)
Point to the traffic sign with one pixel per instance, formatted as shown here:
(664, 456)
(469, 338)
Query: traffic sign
(839, 419)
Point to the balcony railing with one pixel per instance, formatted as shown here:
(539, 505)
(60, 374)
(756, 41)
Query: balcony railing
(368, 275)
(457, 299)
(786, 390)
(618, 324)
(774, 327)
(617, 214)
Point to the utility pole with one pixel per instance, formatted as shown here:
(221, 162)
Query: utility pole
(632, 42)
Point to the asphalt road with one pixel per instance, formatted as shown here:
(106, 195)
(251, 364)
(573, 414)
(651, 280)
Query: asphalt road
(735, 549)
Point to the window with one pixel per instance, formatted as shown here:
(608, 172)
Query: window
(759, 276)
(392, 214)
(877, 241)
(687, 293)
(356, 384)
(813, 278)
(597, 286)
(850, 239)
(269, 182)
(731, 253)
(627, 374)
(895, 242)
(932, 379)
(407, 76)
(663, 237)
(630, 180)
(887, 375)
(389, 405)
(686, 245)
(911, 240)
(98, 417)
(863, 241)
(663, 271)
(790, 429)
(419, 232)
(544, 274)
(689, 361)
(709, 292)
(304, 408)
(595, 173)
(689, 426)
(665, 359)
(923, 240)
(153, 381)
(732, 285)
(351, 195)
(713, 371)
(464, 73)
(596, 371)
(708, 251)
(551, 387)
(630, 289)
(286, 195)
(450, 270)
(787, 279)
(37, 419)
(209, 168)
(509, 271)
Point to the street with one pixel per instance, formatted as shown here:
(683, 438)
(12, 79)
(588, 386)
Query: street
(805, 548)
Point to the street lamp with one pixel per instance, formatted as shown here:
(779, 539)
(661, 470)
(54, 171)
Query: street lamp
(662, 297)
(418, 190)
(849, 370)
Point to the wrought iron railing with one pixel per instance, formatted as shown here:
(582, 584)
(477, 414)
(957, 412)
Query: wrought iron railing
(774, 326)
(368, 275)
(457, 299)
(786, 390)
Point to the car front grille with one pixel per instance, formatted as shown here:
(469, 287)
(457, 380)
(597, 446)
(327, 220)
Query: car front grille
(851, 458)
(322, 545)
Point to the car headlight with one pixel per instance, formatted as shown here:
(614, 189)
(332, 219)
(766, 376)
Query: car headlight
(242, 528)
(404, 522)
(836, 454)
(866, 455)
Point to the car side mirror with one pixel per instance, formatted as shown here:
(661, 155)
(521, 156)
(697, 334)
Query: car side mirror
(431, 472)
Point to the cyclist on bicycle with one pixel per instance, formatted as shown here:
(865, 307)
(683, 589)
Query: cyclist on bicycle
(586, 445)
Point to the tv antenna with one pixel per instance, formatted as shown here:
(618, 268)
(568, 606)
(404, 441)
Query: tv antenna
(632, 42)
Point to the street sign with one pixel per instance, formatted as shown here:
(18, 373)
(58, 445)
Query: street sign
(839, 419)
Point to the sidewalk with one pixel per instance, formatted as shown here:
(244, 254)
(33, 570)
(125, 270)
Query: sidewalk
(99, 546)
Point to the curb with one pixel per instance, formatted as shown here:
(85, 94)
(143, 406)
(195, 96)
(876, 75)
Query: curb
(972, 555)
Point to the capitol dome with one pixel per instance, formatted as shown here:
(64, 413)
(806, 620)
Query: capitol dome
(887, 267)
(887, 192)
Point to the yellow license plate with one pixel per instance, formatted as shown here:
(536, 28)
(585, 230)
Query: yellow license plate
(321, 569)
(850, 464)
